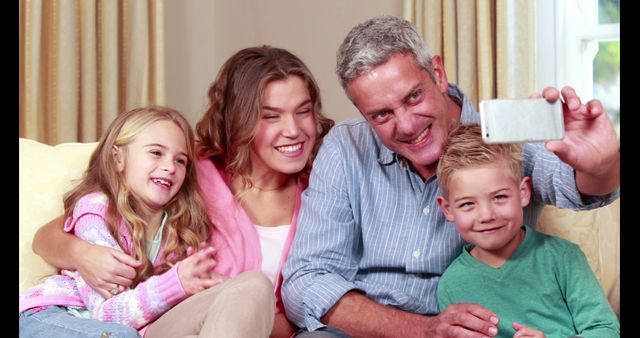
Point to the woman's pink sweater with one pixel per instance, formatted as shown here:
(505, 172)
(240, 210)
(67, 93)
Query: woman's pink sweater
(235, 236)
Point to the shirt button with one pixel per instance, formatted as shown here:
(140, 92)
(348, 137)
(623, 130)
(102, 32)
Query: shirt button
(416, 254)
(425, 210)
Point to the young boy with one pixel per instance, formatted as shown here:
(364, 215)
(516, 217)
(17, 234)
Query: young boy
(537, 284)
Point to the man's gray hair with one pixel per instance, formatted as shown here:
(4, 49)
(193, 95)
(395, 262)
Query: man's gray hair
(373, 42)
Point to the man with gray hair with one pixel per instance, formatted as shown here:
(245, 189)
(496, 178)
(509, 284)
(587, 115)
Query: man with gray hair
(371, 244)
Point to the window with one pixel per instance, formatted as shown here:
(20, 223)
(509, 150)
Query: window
(578, 44)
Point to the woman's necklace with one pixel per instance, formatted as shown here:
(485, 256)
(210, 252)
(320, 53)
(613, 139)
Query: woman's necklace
(253, 185)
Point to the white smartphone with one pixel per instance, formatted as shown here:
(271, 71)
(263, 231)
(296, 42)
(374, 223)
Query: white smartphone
(519, 121)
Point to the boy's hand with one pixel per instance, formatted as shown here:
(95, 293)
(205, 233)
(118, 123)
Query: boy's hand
(522, 331)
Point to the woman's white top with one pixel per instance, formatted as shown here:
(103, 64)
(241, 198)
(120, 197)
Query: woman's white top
(271, 244)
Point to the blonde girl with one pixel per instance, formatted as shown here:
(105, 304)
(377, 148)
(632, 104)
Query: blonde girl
(140, 196)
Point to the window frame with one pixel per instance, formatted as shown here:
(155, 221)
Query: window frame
(567, 41)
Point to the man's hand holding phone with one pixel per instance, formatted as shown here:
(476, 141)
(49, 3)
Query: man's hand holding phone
(589, 145)
(518, 121)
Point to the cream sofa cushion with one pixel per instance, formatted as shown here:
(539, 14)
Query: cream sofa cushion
(46, 173)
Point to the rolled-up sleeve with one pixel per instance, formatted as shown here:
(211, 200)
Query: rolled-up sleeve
(554, 184)
(322, 265)
(554, 181)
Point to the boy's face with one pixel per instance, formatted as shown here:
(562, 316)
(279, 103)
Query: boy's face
(486, 204)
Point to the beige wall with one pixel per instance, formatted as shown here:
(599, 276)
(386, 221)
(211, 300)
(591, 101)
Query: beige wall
(202, 34)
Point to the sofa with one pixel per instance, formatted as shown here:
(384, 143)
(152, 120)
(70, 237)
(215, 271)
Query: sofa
(46, 172)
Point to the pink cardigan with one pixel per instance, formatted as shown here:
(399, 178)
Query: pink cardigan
(235, 236)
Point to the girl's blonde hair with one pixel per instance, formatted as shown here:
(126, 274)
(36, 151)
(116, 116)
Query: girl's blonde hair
(187, 223)
(229, 125)
(465, 149)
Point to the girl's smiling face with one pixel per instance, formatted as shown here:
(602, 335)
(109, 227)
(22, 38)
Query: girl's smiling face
(154, 164)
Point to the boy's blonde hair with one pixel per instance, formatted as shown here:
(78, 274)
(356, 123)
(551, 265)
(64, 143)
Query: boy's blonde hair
(187, 223)
(465, 149)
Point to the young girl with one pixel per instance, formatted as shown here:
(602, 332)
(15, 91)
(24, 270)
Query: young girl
(139, 195)
(256, 143)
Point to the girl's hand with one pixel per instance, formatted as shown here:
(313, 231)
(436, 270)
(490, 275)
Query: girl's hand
(105, 270)
(191, 250)
(522, 331)
(196, 271)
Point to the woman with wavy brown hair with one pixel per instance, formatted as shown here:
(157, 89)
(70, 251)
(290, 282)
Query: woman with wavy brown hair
(257, 140)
